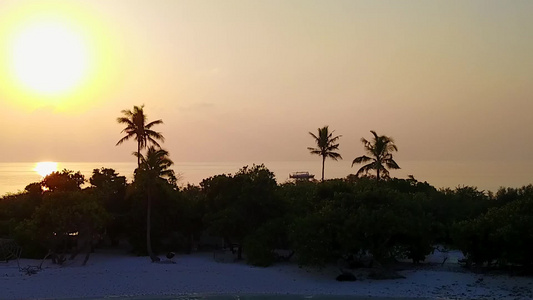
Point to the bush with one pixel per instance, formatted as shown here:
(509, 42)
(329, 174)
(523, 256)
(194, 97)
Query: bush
(260, 245)
(503, 235)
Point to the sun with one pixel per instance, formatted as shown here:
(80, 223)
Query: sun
(49, 57)
(45, 168)
(61, 55)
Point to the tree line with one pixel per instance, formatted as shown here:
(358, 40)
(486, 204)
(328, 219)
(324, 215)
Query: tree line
(320, 221)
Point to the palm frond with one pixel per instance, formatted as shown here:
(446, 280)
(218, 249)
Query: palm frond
(136, 128)
(122, 140)
(314, 136)
(334, 155)
(154, 135)
(384, 174)
(380, 149)
(156, 122)
(124, 120)
(139, 155)
(315, 151)
(325, 142)
(391, 164)
(127, 112)
(361, 159)
(365, 169)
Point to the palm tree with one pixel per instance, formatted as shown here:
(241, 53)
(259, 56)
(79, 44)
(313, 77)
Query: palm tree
(154, 171)
(379, 149)
(326, 145)
(137, 128)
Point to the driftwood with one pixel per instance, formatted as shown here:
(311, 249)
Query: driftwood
(32, 270)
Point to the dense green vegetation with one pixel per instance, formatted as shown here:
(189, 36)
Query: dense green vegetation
(318, 222)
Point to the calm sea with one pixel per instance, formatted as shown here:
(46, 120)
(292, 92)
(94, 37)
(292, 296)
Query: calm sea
(484, 175)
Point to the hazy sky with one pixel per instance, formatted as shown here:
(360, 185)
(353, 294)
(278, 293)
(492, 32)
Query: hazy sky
(247, 80)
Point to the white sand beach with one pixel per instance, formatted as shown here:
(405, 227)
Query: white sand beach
(115, 274)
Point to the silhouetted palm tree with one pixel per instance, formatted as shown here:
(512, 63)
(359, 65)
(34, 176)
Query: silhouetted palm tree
(154, 170)
(326, 145)
(137, 128)
(379, 149)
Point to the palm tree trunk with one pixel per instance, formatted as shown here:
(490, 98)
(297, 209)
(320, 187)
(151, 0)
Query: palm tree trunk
(148, 226)
(377, 175)
(138, 155)
(323, 162)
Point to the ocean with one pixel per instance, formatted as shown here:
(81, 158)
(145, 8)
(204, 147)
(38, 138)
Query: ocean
(485, 175)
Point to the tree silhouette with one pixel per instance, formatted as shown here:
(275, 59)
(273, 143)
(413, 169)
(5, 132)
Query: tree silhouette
(326, 145)
(137, 129)
(379, 149)
(65, 180)
(153, 172)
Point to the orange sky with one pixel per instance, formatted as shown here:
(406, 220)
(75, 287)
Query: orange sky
(246, 80)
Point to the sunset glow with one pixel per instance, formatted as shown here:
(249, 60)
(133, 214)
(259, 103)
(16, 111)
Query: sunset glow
(49, 58)
(59, 55)
(45, 168)
(245, 81)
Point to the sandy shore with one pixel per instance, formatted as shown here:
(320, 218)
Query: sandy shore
(113, 274)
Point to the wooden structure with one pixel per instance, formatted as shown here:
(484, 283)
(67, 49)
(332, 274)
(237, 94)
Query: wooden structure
(301, 176)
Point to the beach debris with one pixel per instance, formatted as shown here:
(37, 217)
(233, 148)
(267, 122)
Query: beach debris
(31, 270)
(169, 260)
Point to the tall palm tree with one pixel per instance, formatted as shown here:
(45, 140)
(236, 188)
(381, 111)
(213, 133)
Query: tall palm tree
(326, 145)
(380, 150)
(154, 170)
(137, 129)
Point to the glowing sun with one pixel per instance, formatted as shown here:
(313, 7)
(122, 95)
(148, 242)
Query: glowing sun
(45, 168)
(49, 57)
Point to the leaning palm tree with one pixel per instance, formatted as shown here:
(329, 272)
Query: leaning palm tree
(137, 129)
(153, 172)
(326, 145)
(379, 149)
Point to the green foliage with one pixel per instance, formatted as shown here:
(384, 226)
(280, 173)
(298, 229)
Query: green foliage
(351, 218)
(15, 208)
(109, 188)
(63, 181)
(260, 245)
(452, 206)
(155, 168)
(60, 216)
(321, 222)
(314, 238)
(502, 234)
(164, 215)
(191, 208)
(238, 205)
(506, 195)
(153, 176)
